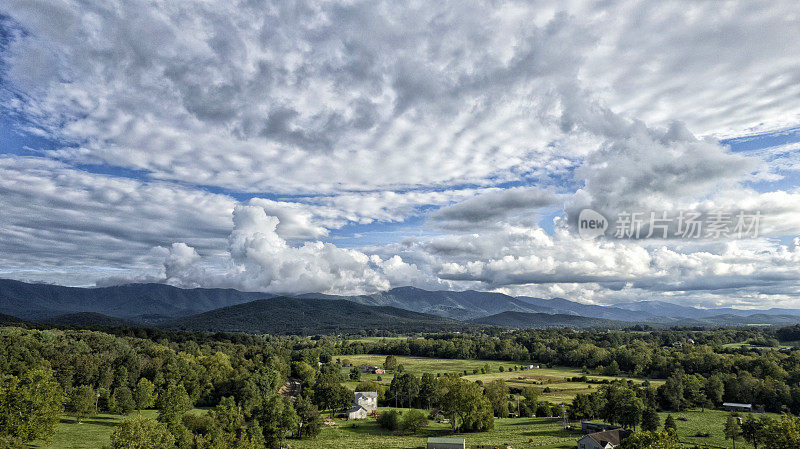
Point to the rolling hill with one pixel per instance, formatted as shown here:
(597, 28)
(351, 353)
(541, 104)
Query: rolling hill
(308, 316)
(38, 301)
(86, 319)
(462, 305)
(523, 320)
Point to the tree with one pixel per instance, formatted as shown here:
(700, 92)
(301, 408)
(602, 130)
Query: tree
(714, 389)
(413, 421)
(138, 432)
(31, 405)
(228, 416)
(630, 410)
(144, 395)
(669, 423)
(355, 374)
(732, 430)
(782, 434)
(752, 429)
(585, 406)
(309, 422)
(173, 403)
(371, 385)
(464, 404)
(390, 363)
(671, 393)
(276, 417)
(650, 420)
(427, 389)
(621, 406)
(666, 439)
(304, 372)
(123, 401)
(331, 395)
(404, 387)
(497, 393)
(81, 402)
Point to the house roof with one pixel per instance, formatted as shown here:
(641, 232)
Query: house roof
(607, 436)
(367, 394)
(357, 408)
(735, 404)
(446, 440)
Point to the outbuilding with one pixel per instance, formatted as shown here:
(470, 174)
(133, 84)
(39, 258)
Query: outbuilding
(446, 443)
(737, 407)
(607, 439)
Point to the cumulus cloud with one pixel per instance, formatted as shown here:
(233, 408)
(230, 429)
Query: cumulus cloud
(322, 116)
(261, 260)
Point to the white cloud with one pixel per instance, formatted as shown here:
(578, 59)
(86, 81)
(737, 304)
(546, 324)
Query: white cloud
(261, 260)
(348, 113)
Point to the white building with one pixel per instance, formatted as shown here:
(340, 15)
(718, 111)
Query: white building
(357, 412)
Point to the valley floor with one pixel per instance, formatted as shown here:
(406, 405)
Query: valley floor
(543, 433)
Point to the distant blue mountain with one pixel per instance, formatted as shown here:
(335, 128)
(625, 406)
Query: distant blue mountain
(152, 304)
(37, 301)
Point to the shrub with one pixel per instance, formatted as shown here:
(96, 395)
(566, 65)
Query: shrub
(389, 420)
(413, 421)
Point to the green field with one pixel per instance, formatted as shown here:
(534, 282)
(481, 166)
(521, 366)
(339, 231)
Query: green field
(547, 433)
(94, 432)
(552, 378)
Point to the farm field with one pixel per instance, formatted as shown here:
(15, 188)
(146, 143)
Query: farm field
(554, 379)
(546, 433)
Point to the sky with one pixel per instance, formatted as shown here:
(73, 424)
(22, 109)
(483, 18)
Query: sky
(350, 147)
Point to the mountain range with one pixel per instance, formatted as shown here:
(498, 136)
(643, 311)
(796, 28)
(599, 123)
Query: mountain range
(404, 309)
(305, 316)
(137, 302)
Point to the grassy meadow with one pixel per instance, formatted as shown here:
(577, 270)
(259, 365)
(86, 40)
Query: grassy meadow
(545, 433)
(554, 380)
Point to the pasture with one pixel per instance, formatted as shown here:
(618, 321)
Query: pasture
(553, 381)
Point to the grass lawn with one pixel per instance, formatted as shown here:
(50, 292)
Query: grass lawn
(93, 433)
(711, 421)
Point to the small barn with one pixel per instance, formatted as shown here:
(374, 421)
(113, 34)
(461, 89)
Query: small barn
(737, 407)
(607, 439)
(446, 443)
(357, 412)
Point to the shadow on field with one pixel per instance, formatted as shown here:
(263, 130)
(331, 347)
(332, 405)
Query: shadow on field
(98, 421)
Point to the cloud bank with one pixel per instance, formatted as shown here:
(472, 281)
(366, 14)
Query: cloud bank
(350, 147)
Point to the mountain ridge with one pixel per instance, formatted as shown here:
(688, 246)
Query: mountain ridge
(308, 316)
(154, 304)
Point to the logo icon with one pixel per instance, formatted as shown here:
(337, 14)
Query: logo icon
(591, 224)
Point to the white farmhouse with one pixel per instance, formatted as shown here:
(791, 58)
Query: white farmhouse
(357, 412)
(367, 399)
